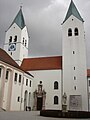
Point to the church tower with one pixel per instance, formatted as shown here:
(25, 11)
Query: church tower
(16, 41)
(74, 60)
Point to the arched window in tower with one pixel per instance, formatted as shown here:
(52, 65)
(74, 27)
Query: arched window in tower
(10, 39)
(69, 32)
(25, 43)
(15, 39)
(55, 99)
(55, 85)
(23, 40)
(76, 32)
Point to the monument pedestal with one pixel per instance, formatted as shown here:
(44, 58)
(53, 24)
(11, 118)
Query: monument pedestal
(64, 108)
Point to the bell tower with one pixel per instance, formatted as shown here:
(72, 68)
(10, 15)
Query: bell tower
(74, 60)
(16, 41)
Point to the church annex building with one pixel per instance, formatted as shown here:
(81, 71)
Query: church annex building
(40, 83)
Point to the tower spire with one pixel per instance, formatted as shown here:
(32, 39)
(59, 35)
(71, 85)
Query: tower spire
(19, 19)
(72, 10)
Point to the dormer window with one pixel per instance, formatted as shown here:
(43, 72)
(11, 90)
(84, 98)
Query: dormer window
(69, 32)
(76, 32)
(10, 39)
(15, 39)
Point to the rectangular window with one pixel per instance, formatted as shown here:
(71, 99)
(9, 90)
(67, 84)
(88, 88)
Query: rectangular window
(18, 99)
(7, 74)
(89, 82)
(75, 87)
(74, 68)
(19, 78)
(26, 82)
(74, 77)
(0, 71)
(23, 80)
(15, 79)
(30, 83)
(73, 52)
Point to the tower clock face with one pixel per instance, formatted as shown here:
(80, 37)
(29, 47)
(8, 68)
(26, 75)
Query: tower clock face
(12, 47)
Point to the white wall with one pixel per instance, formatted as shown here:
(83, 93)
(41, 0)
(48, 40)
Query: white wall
(28, 89)
(48, 77)
(77, 60)
(16, 92)
(21, 51)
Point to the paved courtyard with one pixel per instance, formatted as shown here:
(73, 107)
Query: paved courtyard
(28, 116)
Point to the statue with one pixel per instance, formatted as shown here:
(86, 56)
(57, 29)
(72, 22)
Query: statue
(64, 102)
(64, 99)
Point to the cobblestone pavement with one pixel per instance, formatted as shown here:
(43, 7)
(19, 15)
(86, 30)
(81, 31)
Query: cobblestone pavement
(32, 115)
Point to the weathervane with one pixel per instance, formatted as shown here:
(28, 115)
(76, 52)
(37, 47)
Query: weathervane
(21, 5)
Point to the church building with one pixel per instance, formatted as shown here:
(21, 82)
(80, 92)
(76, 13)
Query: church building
(45, 82)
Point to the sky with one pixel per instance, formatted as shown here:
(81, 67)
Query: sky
(43, 19)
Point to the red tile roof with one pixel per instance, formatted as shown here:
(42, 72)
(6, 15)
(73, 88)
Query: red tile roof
(31, 64)
(43, 63)
(7, 59)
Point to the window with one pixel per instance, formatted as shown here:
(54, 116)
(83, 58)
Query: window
(74, 68)
(89, 82)
(19, 78)
(18, 99)
(55, 85)
(30, 83)
(26, 82)
(55, 99)
(74, 77)
(10, 39)
(69, 32)
(0, 71)
(23, 80)
(73, 52)
(15, 39)
(25, 42)
(15, 79)
(11, 53)
(40, 82)
(76, 32)
(7, 73)
(74, 87)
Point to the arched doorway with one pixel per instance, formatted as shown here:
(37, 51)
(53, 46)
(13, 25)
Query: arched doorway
(25, 99)
(39, 98)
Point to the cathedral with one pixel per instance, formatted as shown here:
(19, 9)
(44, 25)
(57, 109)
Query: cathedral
(40, 83)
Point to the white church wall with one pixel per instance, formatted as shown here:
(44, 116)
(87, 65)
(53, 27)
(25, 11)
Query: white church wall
(48, 77)
(27, 87)
(13, 31)
(1, 78)
(74, 79)
(7, 86)
(16, 92)
(21, 48)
